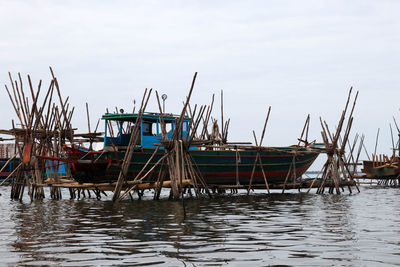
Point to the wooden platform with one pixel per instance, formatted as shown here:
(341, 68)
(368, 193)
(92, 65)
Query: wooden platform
(186, 183)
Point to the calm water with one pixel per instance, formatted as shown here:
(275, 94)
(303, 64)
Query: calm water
(291, 229)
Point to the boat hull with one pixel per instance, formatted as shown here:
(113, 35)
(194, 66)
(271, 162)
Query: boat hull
(11, 165)
(219, 167)
(382, 171)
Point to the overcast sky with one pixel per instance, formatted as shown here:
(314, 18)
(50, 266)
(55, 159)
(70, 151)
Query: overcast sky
(300, 57)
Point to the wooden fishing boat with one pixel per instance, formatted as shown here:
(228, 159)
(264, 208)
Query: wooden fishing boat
(228, 166)
(381, 169)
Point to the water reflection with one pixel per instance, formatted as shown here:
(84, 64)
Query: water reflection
(258, 230)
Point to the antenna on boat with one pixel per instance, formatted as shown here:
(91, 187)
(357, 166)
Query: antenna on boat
(134, 106)
(164, 97)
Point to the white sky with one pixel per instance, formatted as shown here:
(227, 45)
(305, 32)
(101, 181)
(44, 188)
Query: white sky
(300, 57)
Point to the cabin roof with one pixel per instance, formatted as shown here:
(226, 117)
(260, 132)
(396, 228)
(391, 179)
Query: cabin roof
(149, 116)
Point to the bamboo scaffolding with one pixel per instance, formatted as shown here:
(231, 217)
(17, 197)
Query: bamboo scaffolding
(258, 156)
(42, 134)
(335, 165)
(45, 128)
(131, 146)
(179, 162)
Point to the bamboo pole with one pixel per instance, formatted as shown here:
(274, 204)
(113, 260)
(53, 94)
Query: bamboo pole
(222, 113)
(132, 142)
(376, 141)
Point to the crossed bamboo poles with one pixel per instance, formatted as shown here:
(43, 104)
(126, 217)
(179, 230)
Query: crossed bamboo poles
(176, 154)
(42, 134)
(258, 159)
(44, 127)
(292, 167)
(336, 163)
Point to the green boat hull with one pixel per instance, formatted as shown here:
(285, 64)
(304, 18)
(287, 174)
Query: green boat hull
(219, 167)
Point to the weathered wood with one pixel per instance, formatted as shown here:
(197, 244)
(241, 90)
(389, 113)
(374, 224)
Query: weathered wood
(131, 145)
(222, 113)
(88, 117)
(376, 141)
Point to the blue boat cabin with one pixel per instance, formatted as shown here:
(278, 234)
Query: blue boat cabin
(118, 128)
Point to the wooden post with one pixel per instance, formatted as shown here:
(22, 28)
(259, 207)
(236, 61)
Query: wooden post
(130, 149)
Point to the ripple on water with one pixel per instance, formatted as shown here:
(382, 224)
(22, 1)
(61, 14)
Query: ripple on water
(257, 230)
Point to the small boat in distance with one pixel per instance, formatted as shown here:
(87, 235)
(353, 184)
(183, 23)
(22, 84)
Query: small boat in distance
(382, 167)
(225, 165)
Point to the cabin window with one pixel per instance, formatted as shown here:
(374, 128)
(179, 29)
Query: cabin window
(115, 128)
(185, 126)
(168, 126)
(147, 128)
